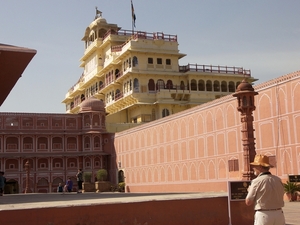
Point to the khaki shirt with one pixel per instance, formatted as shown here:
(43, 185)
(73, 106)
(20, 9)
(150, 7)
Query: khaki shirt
(266, 191)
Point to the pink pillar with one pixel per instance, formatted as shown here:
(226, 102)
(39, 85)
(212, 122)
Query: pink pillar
(245, 95)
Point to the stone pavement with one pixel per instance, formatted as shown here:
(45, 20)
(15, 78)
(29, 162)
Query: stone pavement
(292, 213)
(36, 200)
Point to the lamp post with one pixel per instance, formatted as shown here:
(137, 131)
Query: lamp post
(27, 168)
(245, 97)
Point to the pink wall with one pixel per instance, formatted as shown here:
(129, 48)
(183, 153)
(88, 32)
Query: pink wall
(190, 150)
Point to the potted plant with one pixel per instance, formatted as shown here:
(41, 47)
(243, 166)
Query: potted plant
(101, 184)
(121, 186)
(87, 177)
(290, 189)
(102, 175)
(87, 185)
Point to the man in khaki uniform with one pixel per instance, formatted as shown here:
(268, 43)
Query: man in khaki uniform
(266, 193)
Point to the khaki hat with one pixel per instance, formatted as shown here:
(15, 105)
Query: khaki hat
(261, 160)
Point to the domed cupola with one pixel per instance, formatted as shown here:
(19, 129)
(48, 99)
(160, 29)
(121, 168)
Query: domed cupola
(98, 28)
(92, 104)
(244, 86)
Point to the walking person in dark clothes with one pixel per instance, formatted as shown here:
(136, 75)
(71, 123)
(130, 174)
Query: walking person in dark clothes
(79, 176)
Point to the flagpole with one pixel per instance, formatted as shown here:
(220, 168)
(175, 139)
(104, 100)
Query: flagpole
(133, 17)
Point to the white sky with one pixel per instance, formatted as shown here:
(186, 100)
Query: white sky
(260, 35)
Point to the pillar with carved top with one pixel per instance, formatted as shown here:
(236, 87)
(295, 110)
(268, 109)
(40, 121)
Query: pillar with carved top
(245, 98)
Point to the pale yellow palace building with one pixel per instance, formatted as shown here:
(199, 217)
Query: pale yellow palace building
(138, 77)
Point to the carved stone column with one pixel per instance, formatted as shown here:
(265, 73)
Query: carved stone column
(245, 97)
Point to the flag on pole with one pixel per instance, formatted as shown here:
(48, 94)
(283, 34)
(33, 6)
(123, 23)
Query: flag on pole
(133, 14)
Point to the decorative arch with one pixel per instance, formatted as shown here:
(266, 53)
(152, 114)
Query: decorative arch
(151, 85)
(134, 61)
(216, 85)
(231, 86)
(136, 85)
(201, 85)
(208, 85)
(193, 85)
(223, 86)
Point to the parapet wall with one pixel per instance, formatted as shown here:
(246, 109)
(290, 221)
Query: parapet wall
(212, 211)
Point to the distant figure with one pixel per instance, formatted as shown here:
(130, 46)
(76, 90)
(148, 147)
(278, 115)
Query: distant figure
(266, 194)
(79, 176)
(69, 185)
(2, 183)
(60, 188)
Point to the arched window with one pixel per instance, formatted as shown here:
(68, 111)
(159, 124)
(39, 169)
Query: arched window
(71, 143)
(201, 86)
(134, 61)
(117, 73)
(151, 85)
(224, 86)
(57, 143)
(216, 85)
(245, 101)
(208, 85)
(118, 94)
(87, 120)
(12, 143)
(42, 143)
(193, 85)
(110, 76)
(136, 85)
(165, 113)
(97, 142)
(169, 84)
(231, 86)
(82, 97)
(96, 120)
(100, 85)
(181, 85)
(28, 143)
(87, 143)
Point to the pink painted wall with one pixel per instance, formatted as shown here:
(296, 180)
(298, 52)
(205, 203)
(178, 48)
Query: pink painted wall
(190, 150)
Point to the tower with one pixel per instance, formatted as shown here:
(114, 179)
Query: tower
(138, 77)
(245, 98)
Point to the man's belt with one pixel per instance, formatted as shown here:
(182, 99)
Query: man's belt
(268, 209)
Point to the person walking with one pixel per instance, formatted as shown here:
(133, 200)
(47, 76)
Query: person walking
(79, 176)
(69, 185)
(266, 194)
